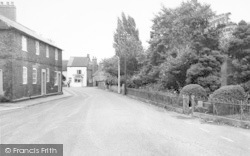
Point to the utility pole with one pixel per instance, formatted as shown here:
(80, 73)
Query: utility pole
(119, 75)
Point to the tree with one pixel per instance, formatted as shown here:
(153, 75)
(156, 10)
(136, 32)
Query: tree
(127, 43)
(172, 37)
(239, 52)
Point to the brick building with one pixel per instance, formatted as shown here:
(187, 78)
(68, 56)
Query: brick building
(30, 66)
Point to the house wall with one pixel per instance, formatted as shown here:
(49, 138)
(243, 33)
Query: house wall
(11, 47)
(72, 72)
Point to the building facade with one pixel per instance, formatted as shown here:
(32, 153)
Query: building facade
(80, 71)
(30, 66)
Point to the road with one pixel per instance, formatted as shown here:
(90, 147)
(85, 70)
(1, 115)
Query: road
(97, 122)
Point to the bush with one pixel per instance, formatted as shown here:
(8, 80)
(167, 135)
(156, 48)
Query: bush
(193, 89)
(3, 99)
(228, 94)
(231, 92)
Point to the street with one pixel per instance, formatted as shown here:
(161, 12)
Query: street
(98, 122)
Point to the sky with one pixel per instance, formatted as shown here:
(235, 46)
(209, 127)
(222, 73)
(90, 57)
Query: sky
(82, 27)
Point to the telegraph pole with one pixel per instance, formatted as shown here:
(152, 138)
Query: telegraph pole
(119, 75)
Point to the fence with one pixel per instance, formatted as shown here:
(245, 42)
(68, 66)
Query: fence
(165, 98)
(234, 109)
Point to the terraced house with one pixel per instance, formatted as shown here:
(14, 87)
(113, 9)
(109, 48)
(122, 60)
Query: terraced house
(30, 66)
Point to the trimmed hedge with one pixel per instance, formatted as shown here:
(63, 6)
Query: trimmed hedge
(229, 93)
(192, 89)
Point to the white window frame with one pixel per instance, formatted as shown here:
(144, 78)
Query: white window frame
(25, 75)
(56, 54)
(24, 43)
(47, 51)
(47, 75)
(56, 78)
(34, 76)
(37, 48)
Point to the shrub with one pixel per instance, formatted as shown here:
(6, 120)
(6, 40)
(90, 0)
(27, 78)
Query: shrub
(228, 95)
(193, 89)
(231, 92)
(3, 99)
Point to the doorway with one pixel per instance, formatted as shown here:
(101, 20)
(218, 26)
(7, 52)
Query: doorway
(59, 77)
(43, 82)
(1, 82)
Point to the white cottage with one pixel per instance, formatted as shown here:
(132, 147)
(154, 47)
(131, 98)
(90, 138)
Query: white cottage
(77, 71)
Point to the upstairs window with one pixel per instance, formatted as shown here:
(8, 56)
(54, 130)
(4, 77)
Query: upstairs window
(48, 76)
(34, 75)
(47, 51)
(24, 43)
(56, 54)
(79, 72)
(37, 48)
(25, 75)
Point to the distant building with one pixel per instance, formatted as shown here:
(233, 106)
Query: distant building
(99, 76)
(30, 66)
(80, 70)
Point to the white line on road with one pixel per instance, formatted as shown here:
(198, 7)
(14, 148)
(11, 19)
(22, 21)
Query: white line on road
(225, 138)
(207, 131)
(189, 123)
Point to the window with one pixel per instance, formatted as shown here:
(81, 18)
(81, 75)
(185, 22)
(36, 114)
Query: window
(79, 72)
(56, 54)
(25, 75)
(47, 51)
(56, 79)
(78, 80)
(24, 43)
(37, 48)
(34, 75)
(48, 77)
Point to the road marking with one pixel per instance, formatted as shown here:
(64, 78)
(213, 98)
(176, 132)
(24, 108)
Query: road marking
(226, 139)
(207, 131)
(189, 123)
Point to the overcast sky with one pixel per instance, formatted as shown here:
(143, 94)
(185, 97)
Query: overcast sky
(84, 27)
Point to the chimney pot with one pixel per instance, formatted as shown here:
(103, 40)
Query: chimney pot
(8, 3)
(12, 3)
(1, 3)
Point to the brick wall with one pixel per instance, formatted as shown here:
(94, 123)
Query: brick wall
(10, 46)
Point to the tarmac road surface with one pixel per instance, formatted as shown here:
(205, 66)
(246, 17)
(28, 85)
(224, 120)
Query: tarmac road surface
(97, 122)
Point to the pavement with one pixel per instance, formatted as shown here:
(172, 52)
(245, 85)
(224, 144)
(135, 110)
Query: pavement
(100, 123)
(8, 106)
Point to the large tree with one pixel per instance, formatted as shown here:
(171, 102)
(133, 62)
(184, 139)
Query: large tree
(127, 43)
(239, 52)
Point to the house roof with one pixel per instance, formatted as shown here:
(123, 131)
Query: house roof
(78, 62)
(64, 65)
(12, 24)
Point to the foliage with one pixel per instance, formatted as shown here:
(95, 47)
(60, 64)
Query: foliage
(194, 89)
(230, 92)
(3, 99)
(239, 51)
(127, 44)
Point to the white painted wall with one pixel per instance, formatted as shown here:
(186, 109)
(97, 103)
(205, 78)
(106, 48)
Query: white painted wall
(72, 72)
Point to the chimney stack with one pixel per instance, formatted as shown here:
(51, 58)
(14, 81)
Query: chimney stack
(8, 10)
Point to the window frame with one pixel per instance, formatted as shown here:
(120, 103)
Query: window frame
(56, 54)
(77, 72)
(25, 75)
(34, 76)
(47, 51)
(37, 48)
(24, 43)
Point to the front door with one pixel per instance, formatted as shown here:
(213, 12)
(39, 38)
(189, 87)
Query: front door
(43, 82)
(1, 82)
(59, 77)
